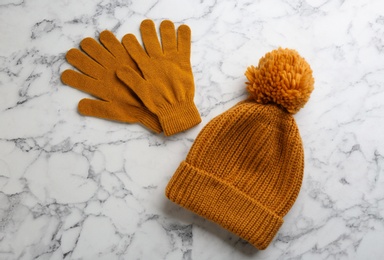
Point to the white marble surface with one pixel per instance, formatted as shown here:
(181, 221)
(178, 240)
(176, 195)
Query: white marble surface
(73, 187)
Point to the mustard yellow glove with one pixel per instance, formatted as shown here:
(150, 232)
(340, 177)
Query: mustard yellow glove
(98, 66)
(166, 84)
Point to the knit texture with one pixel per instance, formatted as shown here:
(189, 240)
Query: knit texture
(166, 85)
(244, 171)
(282, 77)
(97, 63)
(245, 168)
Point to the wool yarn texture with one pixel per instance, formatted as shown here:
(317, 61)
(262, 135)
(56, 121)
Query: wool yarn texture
(245, 169)
(166, 85)
(97, 64)
(152, 85)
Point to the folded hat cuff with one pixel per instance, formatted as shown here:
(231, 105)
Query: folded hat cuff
(178, 117)
(221, 202)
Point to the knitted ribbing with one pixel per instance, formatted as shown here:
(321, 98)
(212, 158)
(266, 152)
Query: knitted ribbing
(244, 171)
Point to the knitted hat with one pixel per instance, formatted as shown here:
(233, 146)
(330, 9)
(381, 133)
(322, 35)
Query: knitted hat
(245, 168)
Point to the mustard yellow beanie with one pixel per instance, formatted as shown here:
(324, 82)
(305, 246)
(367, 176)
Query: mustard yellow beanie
(245, 168)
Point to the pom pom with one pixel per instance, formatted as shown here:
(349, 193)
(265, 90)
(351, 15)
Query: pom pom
(282, 77)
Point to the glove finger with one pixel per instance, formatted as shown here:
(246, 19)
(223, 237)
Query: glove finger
(150, 40)
(112, 44)
(84, 63)
(168, 36)
(184, 41)
(104, 109)
(134, 49)
(82, 82)
(97, 52)
(133, 80)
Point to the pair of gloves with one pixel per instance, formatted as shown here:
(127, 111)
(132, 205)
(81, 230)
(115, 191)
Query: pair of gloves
(153, 86)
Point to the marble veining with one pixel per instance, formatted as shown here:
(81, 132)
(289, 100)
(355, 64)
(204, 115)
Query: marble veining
(74, 187)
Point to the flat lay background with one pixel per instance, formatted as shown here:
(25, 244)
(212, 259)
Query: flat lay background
(74, 187)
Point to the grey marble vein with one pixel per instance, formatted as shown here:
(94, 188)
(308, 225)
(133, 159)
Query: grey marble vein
(74, 187)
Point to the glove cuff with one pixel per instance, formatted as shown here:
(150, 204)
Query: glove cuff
(148, 119)
(178, 117)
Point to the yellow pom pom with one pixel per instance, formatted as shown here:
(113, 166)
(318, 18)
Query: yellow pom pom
(282, 77)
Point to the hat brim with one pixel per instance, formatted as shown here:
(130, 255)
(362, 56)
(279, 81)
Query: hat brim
(221, 202)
